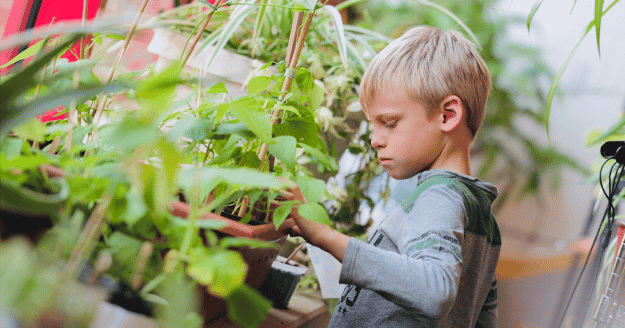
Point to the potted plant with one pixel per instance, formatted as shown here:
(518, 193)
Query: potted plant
(335, 53)
(123, 179)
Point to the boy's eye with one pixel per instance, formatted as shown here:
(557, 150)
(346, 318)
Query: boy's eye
(390, 124)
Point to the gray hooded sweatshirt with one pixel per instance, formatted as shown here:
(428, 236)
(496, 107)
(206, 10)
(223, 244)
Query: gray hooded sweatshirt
(430, 263)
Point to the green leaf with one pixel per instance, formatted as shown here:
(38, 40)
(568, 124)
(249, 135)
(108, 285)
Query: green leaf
(218, 88)
(13, 86)
(556, 79)
(280, 214)
(250, 160)
(13, 115)
(129, 134)
(247, 307)
(32, 129)
(304, 80)
(196, 129)
(304, 129)
(210, 224)
(612, 131)
(201, 265)
(458, 21)
(337, 22)
(290, 109)
(315, 97)
(152, 298)
(283, 148)
(247, 110)
(229, 242)
(135, 208)
(29, 52)
(312, 189)
(155, 93)
(308, 4)
(530, 17)
(228, 129)
(153, 284)
(11, 148)
(230, 273)
(18, 264)
(210, 177)
(328, 161)
(115, 36)
(598, 15)
(258, 84)
(24, 200)
(124, 249)
(314, 212)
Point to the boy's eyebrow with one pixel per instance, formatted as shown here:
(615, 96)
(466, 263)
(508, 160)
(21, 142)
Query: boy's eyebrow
(386, 116)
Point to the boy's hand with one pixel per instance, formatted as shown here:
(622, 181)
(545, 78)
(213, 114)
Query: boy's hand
(315, 233)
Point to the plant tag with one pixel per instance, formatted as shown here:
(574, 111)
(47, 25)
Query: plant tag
(328, 270)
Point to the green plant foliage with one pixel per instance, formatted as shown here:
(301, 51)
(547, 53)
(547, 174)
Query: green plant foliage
(314, 212)
(533, 11)
(29, 52)
(284, 149)
(246, 307)
(596, 23)
(123, 174)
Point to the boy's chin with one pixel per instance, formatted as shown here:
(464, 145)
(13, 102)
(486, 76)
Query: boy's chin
(400, 175)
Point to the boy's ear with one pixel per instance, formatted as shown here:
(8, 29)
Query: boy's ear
(451, 113)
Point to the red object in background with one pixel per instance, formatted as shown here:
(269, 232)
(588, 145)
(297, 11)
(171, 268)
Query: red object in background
(59, 11)
(49, 12)
(66, 10)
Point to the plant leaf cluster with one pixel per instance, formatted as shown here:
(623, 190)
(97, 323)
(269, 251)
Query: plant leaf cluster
(152, 149)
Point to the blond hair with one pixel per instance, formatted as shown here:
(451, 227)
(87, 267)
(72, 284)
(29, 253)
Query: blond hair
(430, 64)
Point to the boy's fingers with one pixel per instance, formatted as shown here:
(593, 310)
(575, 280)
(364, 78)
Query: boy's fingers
(287, 194)
(290, 184)
(295, 231)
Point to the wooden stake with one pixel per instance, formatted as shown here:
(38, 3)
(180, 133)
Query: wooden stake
(292, 57)
(198, 34)
(287, 81)
(142, 260)
(295, 251)
(83, 40)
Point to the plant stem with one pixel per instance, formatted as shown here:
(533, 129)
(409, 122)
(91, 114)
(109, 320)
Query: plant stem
(83, 40)
(118, 59)
(198, 34)
(142, 260)
(87, 238)
(70, 117)
(121, 53)
(194, 204)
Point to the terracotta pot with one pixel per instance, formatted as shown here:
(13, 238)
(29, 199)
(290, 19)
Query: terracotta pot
(265, 231)
(258, 260)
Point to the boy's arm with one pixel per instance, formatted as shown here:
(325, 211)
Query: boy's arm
(315, 233)
(424, 276)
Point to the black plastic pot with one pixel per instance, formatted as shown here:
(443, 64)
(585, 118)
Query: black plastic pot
(281, 282)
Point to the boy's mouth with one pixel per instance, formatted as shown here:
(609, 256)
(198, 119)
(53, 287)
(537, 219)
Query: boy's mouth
(383, 160)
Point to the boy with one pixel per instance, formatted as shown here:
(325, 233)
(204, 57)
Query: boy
(431, 262)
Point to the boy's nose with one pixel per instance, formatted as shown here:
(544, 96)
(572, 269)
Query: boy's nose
(376, 141)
